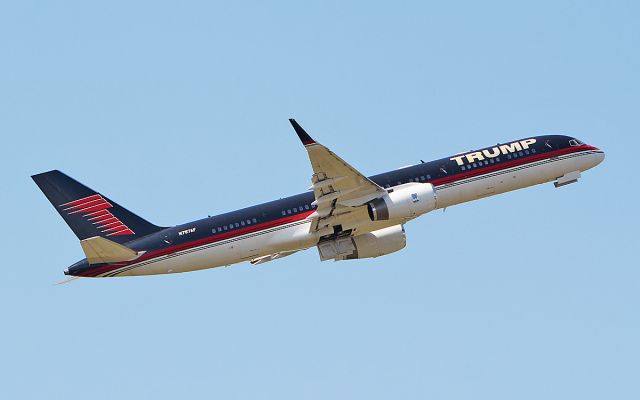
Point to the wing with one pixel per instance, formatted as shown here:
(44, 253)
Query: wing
(339, 188)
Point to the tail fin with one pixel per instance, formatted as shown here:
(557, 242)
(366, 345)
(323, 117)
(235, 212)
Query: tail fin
(88, 213)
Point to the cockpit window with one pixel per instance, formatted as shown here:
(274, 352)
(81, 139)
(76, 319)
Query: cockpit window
(575, 142)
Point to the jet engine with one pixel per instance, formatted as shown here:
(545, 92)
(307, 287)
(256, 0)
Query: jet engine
(405, 201)
(369, 245)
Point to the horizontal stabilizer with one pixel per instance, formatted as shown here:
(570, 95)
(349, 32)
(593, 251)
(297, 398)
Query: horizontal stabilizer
(100, 250)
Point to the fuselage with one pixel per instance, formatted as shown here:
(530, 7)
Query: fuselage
(283, 225)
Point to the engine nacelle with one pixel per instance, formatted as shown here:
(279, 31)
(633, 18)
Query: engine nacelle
(368, 245)
(405, 201)
(379, 243)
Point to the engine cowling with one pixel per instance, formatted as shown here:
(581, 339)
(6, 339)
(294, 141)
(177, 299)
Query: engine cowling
(368, 245)
(379, 243)
(405, 201)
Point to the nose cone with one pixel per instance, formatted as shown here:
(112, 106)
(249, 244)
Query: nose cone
(598, 156)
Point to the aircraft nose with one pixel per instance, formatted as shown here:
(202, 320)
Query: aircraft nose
(599, 156)
(595, 157)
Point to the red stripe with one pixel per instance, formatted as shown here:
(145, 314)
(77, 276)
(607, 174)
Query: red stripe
(95, 196)
(86, 204)
(124, 232)
(93, 208)
(109, 222)
(98, 214)
(102, 219)
(115, 228)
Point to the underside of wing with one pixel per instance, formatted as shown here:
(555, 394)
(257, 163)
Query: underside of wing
(339, 189)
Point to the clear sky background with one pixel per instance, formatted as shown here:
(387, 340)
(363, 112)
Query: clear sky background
(177, 110)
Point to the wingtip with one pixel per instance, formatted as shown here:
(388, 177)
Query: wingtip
(302, 134)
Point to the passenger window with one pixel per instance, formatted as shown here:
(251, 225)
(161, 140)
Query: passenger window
(486, 162)
(491, 160)
(410, 179)
(463, 168)
(526, 152)
(520, 154)
(295, 209)
(428, 176)
(498, 159)
(284, 212)
(533, 150)
(306, 206)
(224, 227)
(289, 211)
(219, 229)
(248, 222)
(254, 220)
(422, 178)
(237, 225)
(475, 165)
(508, 156)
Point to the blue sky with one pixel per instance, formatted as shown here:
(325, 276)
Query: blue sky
(179, 110)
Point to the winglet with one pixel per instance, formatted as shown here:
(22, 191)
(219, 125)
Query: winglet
(302, 134)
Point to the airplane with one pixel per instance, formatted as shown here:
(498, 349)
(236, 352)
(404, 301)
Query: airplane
(344, 214)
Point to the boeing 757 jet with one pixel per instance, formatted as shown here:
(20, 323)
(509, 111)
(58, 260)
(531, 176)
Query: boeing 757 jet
(345, 214)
